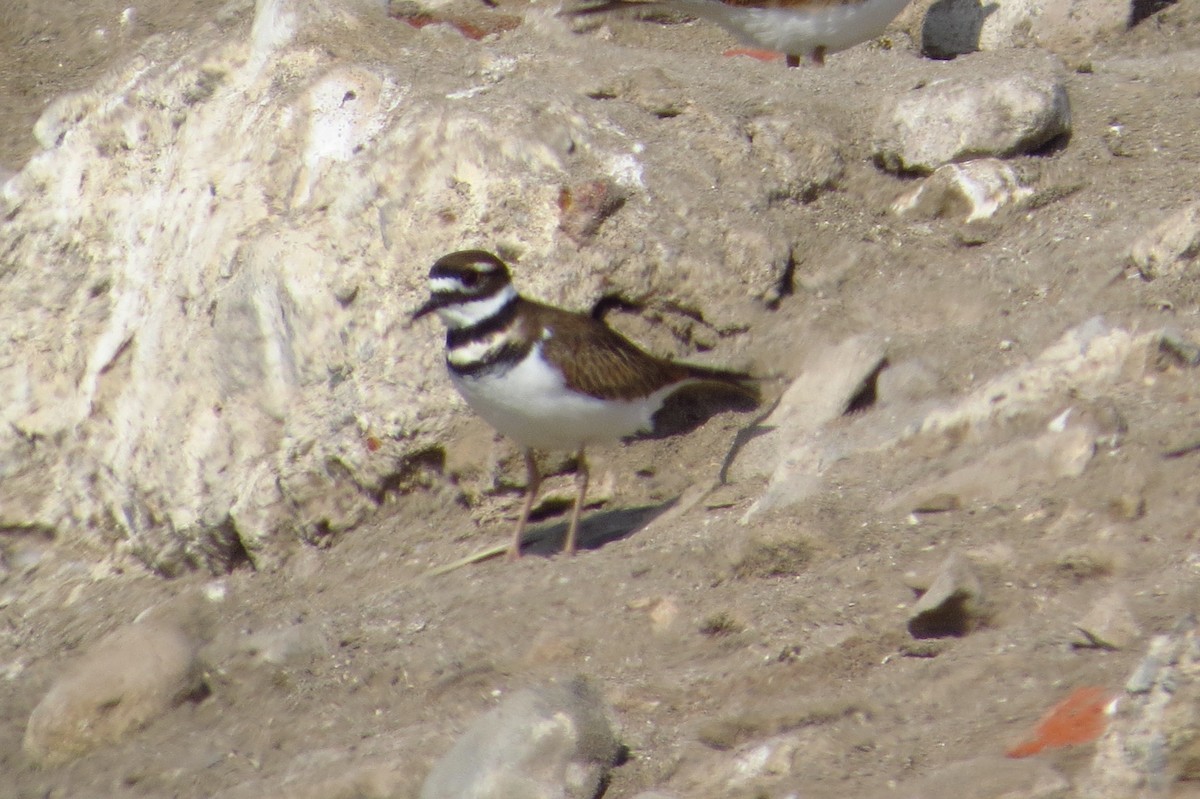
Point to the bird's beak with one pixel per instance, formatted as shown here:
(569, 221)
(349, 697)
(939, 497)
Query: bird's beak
(432, 304)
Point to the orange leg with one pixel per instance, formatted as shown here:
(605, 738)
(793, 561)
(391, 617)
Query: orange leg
(533, 481)
(817, 56)
(757, 55)
(581, 483)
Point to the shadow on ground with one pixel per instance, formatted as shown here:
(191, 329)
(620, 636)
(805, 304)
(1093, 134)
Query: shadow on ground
(595, 529)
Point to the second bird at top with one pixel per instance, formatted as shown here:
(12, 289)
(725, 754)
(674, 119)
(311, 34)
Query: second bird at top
(797, 28)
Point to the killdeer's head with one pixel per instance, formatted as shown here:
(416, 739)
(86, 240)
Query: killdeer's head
(467, 288)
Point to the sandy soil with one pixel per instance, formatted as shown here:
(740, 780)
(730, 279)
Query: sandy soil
(696, 651)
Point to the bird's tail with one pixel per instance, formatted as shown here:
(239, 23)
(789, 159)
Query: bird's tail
(702, 393)
(740, 383)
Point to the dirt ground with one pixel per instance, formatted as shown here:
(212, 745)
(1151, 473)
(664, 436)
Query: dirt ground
(350, 652)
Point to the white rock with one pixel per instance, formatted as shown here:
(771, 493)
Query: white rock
(955, 27)
(961, 119)
(1171, 247)
(967, 192)
(906, 382)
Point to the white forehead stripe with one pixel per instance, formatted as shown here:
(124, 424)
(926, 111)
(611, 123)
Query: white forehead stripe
(444, 284)
(472, 312)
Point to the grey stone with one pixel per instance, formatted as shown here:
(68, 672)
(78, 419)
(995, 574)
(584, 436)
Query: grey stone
(553, 742)
(961, 119)
(1152, 743)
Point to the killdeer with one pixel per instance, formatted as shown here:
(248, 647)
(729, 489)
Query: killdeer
(796, 28)
(548, 378)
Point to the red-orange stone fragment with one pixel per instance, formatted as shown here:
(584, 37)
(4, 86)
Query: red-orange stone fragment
(496, 23)
(1078, 719)
(373, 444)
(582, 208)
(757, 55)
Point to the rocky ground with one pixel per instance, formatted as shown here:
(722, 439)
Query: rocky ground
(973, 489)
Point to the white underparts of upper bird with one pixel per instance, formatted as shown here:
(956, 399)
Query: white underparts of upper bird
(799, 29)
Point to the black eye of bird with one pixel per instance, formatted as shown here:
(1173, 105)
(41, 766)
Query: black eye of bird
(470, 279)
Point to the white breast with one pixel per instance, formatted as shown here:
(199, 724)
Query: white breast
(531, 404)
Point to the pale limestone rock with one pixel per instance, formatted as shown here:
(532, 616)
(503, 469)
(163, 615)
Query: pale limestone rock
(797, 445)
(966, 192)
(1171, 247)
(947, 28)
(821, 392)
(204, 347)
(958, 119)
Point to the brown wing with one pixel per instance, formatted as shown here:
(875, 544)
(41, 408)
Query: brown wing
(598, 361)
